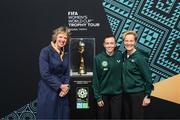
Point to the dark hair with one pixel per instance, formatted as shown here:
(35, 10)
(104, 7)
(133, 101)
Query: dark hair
(108, 36)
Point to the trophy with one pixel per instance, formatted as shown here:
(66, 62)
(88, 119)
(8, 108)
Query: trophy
(81, 51)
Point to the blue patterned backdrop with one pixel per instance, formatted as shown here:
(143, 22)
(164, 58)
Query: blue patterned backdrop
(158, 26)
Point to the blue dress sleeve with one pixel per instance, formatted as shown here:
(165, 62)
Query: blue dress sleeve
(66, 77)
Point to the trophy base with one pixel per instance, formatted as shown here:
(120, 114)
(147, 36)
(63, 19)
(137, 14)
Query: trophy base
(77, 74)
(82, 72)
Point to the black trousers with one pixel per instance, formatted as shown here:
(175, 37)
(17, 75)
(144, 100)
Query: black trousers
(112, 107)
(132, 104)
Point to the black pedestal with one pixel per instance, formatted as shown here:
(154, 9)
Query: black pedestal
(82, 102)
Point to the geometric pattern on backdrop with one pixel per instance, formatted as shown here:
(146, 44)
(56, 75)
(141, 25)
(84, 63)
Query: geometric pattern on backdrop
(27, 112)
(158, 26)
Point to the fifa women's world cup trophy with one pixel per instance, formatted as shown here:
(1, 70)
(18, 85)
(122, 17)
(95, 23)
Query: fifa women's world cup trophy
(81, 64)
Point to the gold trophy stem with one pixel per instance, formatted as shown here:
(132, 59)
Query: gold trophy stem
(81, 67)
(81, 51)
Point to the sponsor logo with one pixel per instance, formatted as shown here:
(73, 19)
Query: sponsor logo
(104, 63)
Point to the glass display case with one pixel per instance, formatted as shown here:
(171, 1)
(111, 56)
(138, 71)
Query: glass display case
(82, 52)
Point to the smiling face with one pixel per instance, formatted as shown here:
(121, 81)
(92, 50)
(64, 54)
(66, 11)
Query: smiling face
(129, 42)
(61, 40)
(109, 44)
(61, 36)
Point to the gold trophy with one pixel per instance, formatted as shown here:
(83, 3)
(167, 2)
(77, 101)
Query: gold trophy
(81, 51)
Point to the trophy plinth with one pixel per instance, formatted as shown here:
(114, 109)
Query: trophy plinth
(81, 54)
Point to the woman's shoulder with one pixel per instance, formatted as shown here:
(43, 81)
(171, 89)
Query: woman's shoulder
(141, 56)
(46, 48)
(100, 55)
(118, 52)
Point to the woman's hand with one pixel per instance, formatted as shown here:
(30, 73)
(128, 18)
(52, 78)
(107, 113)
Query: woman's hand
(64, 90)
(146, 101)
(100, 103)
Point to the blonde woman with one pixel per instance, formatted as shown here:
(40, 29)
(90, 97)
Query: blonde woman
(137, 81)
(54, 83)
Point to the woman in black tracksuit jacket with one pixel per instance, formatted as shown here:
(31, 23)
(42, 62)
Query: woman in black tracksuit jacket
(137, 81)
(107, 80)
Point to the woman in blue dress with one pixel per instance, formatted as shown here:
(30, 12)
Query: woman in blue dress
(54, 83)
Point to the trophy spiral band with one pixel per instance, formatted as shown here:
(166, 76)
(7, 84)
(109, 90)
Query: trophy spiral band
(81, 51)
